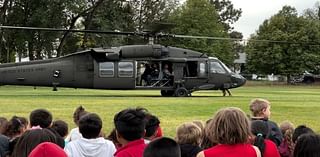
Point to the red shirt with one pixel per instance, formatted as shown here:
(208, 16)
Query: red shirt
(131, 149)
(236, 150)
(270, 149)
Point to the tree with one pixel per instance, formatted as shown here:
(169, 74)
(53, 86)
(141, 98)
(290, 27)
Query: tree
(39, 13)
(227, 13)
(313, 13)
(292, 47)
(199, 18)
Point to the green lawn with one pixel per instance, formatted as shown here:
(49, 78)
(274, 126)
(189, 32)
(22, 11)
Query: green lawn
(299, 104)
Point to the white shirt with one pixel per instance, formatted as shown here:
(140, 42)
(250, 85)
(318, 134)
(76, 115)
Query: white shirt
(98, 147)
(74, 135)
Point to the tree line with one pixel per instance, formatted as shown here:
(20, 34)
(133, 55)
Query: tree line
(194, 17)
(293, 44)
(299, 52)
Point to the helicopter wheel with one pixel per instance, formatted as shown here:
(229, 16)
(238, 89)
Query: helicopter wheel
(181, 92)
(167, 93)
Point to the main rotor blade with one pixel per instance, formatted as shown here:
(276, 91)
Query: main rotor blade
(205, 37)
(69, 30)
(153, 34)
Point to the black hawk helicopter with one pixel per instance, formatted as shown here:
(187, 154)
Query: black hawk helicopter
(175, 71)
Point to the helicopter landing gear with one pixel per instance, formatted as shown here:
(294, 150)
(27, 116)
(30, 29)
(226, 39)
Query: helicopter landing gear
(167, 93)
(54, 85)
(181, 92)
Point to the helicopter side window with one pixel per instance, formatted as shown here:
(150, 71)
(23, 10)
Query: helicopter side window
(215, 67)
(202, 69)
(191, 70)
(125, 69)
(106, 69)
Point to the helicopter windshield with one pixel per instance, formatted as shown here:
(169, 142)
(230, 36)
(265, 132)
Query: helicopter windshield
(219, 67)
(215, 67)
(225, 67)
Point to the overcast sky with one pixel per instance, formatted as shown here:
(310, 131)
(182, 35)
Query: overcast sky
(254, 12)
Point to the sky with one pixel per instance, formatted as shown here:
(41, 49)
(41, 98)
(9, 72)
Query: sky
(254, 12)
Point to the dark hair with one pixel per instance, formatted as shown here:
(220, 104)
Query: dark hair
(260, 130)
(90, 126)
(308, 145)
(14, 127)
(3, 124)
(24, 121)
(113, 137)
(130, 123)
(30, 139)
(41, 117)
(78, 113)
(301, 129)
(151, 125)
(61, 127)
(162, 147)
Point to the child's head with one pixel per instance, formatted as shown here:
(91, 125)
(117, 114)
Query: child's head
(287, 130)
(40, 117)
(189, 133)
(259, 127)
(14, 127)
(130, 124)
(260, 130)
(199, 124)
(260, 108)
(152, 126)
(78, 113)
(90, 126)
(161, 147)
(308, 145)
(61, 127)
(285, 126)
(229, 126)
(30, 139)
(300, 130)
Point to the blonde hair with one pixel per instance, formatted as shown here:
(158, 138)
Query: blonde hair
(286, 125)
(189, 133)
(199, 123)
(287, 130)
(258, 105)
(229, 126)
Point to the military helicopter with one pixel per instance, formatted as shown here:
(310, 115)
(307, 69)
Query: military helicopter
(174, 71)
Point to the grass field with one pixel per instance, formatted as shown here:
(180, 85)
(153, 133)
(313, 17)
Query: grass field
(299, 104)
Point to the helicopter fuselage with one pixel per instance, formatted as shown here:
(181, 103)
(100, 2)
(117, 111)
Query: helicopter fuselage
(125, 68)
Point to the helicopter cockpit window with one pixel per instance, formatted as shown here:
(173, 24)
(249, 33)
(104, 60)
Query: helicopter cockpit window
(125, 69)
(225, 67)
(106, 69)
(216, 67)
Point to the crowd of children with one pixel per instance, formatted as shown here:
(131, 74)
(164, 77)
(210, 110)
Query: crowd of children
(137, 133)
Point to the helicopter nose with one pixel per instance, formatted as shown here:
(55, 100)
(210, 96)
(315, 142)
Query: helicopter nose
(238, 80)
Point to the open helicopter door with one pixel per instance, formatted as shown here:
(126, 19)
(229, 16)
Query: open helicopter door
(195, 74)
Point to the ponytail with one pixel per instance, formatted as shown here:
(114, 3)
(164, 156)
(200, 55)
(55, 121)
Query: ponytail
(259, 142)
